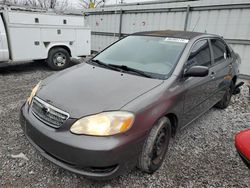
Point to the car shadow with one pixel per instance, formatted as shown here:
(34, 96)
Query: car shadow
(110, 182)
(9, 68)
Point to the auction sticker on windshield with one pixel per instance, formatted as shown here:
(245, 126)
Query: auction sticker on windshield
(176, 40)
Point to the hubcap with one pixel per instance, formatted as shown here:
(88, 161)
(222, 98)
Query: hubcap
(59, 59)
(160, 146)
(159, 143)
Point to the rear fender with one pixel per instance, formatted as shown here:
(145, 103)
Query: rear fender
(51, 45)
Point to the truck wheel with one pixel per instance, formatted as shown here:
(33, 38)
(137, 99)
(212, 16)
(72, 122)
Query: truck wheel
(58, 59)
(225, 101)
(155, 146)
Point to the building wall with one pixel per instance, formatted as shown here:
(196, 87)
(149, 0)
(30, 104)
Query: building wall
(228, 18)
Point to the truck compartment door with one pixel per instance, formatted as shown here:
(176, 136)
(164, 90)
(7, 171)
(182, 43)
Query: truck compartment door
(83, 37)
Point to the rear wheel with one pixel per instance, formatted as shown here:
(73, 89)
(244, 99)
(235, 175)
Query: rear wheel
(225, 101)
(58, 59)
(155, 146)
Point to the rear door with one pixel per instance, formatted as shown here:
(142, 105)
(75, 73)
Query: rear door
(221, 67)
(198, 89)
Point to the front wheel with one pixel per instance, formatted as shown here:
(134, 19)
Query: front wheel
(58, 59)
(155, 146)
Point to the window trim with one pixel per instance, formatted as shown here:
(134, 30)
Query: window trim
(190, 50)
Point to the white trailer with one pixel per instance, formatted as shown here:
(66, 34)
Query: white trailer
(27, 35)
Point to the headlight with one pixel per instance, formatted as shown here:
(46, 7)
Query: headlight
(104, 124)
(33, 93)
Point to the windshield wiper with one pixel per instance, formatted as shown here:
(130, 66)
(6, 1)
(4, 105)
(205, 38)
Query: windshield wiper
(98, 62)
(129, 69)
(120, 67)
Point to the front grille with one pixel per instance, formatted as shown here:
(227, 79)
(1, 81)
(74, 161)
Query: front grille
(48, 114)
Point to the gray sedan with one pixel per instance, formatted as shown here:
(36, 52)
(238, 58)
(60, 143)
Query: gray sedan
(120, 109)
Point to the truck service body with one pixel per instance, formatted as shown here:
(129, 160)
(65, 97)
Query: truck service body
(27, 35)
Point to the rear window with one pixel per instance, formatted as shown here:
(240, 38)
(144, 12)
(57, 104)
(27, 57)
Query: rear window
(219, 50)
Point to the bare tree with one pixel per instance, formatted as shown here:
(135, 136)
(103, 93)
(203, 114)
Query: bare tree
(45, 4)
(12, 2)
(31, 3)
(62, 5)
(92, 3)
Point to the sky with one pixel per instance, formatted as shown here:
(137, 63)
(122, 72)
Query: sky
(108, 2)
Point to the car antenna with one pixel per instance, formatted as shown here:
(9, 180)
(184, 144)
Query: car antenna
(196, 23)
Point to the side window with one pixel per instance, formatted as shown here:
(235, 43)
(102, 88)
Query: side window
(220, 50)
(200, 55)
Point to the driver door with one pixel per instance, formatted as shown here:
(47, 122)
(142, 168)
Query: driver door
(198, 89)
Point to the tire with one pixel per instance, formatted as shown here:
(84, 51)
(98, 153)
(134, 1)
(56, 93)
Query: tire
(225, 101)
(58, 59)
(155, 146)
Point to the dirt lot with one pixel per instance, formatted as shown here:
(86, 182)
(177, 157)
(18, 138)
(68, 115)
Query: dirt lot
(202, 154)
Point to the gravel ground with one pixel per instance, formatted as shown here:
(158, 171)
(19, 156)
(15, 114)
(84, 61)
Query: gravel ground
(201, 155)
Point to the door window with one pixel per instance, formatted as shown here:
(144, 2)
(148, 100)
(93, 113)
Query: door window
(219, 50)
(200, 55)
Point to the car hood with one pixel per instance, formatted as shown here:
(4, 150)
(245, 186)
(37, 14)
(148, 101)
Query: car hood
(85, 89)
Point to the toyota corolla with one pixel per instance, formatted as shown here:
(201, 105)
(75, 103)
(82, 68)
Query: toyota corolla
(120, 109)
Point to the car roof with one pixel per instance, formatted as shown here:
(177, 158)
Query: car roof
(172, 33)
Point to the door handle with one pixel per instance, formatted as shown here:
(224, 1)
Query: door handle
(212, 75)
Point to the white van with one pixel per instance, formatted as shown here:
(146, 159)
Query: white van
(36, 35)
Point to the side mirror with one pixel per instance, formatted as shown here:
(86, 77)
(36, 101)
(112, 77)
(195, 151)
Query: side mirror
(197, 71)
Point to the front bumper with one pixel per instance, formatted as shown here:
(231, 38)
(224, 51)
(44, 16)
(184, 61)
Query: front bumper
(95, 157)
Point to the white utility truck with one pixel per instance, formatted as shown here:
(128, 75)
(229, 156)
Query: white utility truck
(33, 34)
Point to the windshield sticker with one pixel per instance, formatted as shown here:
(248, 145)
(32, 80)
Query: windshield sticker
(176, 40)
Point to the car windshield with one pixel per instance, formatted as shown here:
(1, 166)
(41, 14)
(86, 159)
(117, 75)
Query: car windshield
(156, 56)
